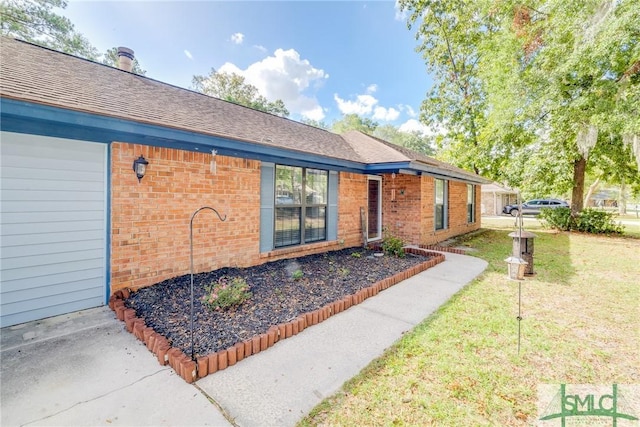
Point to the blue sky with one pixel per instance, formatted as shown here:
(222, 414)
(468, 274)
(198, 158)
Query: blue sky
(322, 58)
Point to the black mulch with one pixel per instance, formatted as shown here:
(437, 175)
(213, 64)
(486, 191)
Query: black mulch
(277, 296)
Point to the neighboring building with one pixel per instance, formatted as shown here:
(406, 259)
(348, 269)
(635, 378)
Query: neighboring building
(603, 199)
(495, 197)
(77, 224)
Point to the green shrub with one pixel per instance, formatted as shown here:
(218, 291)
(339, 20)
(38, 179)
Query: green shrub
(297, 275)
(226, 293)
(598, 222)
(557, 218)
(392, 245)
(587, 221)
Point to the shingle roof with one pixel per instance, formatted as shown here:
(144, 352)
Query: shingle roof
(35, 74)
(376, 150)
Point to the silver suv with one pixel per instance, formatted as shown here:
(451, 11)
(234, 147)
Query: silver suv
(532, 207)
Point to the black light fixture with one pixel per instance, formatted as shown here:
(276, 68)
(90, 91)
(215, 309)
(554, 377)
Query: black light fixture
(140, 167)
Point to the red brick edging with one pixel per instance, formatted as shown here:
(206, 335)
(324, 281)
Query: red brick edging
(444, 249)
(190, 370)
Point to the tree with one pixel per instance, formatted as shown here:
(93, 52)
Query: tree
(451, 38)
(531, 92)
(233, 88)
(315, 123)
(110, 58)
(354, 122)
(414, 140)
(36, 22)
(579, 68)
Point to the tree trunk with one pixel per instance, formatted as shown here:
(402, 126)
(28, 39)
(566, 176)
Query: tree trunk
(622, 200)
(592, 189)
(577, 196)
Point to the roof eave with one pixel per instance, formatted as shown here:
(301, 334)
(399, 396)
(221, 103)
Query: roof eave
(26, 117)
(419, 168)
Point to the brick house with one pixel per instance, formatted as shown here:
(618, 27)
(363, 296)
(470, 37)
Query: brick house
(77, 224)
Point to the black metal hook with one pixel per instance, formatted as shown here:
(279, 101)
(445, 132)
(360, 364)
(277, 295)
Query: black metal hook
(191, 260)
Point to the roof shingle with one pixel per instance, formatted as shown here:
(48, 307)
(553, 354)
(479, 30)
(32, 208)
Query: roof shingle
(38, 75)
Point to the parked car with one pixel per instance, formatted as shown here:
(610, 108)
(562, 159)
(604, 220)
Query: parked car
(532, 207)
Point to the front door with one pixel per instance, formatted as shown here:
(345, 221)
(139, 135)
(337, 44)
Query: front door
(374, 217)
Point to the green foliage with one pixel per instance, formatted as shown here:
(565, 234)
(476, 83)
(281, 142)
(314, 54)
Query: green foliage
(233, 88)
(35, 21)
(415, 140)
(315, 123)
(392, 245)
(297, 275)
(354, 122)
(587, 221)
(515, 85)
(356, 255)
(226, 293)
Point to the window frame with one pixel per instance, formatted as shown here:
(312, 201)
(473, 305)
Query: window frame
(471, 204)
(378, 231)
(301, 208)
(445, 204)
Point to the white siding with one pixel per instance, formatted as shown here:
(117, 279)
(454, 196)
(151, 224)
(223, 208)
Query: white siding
(52, 226)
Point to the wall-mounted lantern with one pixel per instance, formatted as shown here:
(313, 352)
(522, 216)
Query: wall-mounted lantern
(140, 167)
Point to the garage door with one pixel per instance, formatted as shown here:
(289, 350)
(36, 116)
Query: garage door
(53, 226)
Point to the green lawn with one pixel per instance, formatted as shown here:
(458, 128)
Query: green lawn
(460, 367)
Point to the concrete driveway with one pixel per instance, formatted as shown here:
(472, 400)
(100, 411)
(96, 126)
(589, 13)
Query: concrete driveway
(85, 369)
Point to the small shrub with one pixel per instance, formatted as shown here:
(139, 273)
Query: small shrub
(226, 293)
(587, 221)
(557, 218)
(598, 222)
(297, 275)
(356, 255)
(392, 245)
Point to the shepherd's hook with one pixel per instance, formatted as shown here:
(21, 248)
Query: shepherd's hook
(191, 261)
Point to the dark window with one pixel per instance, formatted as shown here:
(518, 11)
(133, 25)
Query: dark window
(441, 204)
(471, 203)
(301, 205)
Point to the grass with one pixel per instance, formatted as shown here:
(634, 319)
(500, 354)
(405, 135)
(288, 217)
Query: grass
(461, 366)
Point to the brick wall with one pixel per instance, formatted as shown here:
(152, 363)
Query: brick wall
(457, 221)
(411, 215)
(401, 206)
(352, 195)
(150, 219)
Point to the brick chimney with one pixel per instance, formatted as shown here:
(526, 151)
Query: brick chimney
(125, 59)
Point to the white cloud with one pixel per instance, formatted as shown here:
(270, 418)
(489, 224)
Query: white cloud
(385, 114)
(362, 106)
(237, 38)
(260, 48)
(410, 111)
(413, 125)
(188, 54)
(285, 76)
(367, 105)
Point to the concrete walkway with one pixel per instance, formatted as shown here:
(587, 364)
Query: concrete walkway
(84, 369)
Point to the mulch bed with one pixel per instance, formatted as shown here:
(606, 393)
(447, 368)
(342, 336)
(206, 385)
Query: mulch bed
(277, 298)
